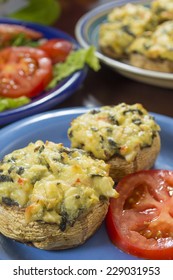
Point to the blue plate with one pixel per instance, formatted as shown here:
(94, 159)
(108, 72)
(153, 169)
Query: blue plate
(53, 126)
(52, 97)
(87, 33)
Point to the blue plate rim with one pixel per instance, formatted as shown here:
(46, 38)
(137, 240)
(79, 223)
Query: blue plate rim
(62, 112)
(20, 127)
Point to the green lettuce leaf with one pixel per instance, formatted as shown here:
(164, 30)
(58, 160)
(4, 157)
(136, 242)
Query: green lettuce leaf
(21, 40)
(75, 61)
(39, 11)
(11, 103)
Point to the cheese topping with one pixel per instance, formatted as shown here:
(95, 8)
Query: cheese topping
(138, 17)
(53, 183)
(163, 9)
(116, 36)
(123, 25)
(120, 130)
(135, 28)
(158, 44)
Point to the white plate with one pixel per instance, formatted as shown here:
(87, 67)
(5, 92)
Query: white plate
(87, 34)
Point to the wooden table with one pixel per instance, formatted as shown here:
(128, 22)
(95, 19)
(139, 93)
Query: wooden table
(107, 87)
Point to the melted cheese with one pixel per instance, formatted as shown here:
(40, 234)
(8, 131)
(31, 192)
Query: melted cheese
(156, 45)
(53, 183)
(163, 9)
(107, 131)
(116, 36)
(138, 17)
(123, 25)
(138, 28)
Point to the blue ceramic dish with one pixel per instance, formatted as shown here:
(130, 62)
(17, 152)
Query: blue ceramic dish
(53, 126)
(87, 33)
(47, 99)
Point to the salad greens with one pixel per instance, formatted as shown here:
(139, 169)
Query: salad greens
(39, 11)
(9, 103)
(21, 40)
(76, 60)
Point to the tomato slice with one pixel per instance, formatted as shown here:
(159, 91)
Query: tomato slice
(24, 71)
(140, 220)
(57, 49)
(10, 31)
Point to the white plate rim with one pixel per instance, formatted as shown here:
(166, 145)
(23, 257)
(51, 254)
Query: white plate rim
(92, 15)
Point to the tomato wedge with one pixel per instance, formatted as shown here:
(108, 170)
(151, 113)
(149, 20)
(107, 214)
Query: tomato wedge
(57, 49)
(24, 71)
(140, 220)
(10, 31)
